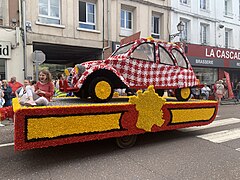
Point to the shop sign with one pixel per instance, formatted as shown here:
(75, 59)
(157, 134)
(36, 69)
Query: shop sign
(209, 56)
(5, 49)
(197, 61)
(234, 64)
(222, 54)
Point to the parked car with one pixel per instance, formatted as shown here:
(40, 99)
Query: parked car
(134, 65)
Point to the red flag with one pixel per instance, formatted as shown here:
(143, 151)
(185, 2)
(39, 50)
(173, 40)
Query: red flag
(229, 85)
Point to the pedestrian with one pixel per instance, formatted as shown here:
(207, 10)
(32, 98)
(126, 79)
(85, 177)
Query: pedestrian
(2, 100)
(205, 91)
(59, 78)
(196, 91)
(7, 90)
(219, 90)
(14, 84)
(44, 90)
(225, 93)
(238, 90)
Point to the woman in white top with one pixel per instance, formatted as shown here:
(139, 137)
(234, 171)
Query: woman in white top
(219, 90)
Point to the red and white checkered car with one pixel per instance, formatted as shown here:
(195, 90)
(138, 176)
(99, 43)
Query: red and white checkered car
(135, 65)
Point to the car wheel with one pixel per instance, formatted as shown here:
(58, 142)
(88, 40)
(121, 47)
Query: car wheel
(160, 92)
(126, 141)
(101, 89)
(183, 94)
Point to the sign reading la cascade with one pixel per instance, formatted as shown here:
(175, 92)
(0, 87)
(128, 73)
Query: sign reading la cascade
(5, 49)
(222, 54)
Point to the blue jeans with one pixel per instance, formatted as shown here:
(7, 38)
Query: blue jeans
(8, 103)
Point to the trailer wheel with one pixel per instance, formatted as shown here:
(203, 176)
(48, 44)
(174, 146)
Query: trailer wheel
(101, 89)
(126, 141)
(183, 94)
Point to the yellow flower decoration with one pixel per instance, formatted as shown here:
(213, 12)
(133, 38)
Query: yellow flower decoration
(149, 106)
(15, 104)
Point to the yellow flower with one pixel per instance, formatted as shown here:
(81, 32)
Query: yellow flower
(149, 106)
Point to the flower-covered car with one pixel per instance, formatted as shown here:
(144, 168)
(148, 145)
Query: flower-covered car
(134, 65)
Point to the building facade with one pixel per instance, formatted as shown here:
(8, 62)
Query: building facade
(211, 36)
(11, 48)
(70, 32)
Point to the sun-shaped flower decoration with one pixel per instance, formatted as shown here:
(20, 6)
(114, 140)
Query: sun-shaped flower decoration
(149, 106)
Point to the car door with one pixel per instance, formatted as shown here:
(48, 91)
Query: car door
(143, 65)
(167, 71)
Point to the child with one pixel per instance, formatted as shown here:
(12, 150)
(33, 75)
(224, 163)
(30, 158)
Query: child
(44, 90)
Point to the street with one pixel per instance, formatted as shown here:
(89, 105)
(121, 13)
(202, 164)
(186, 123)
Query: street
(206, 152)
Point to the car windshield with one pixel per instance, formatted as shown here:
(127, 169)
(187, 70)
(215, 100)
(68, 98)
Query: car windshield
(122, 50)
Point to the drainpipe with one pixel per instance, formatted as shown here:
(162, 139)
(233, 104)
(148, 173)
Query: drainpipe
(23, 13)
(108, 22)
(103, 32)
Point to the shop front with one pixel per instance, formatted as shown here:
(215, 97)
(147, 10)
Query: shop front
(212, 63)
(11, 54)
(5, 54)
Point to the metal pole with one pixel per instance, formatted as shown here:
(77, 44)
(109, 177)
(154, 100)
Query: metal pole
(37, 66)
(103, 32)
(24, 38)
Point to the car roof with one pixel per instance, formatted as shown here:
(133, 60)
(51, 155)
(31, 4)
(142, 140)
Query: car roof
(165, 44)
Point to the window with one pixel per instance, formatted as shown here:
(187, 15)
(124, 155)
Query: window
(122, 50)
(206, 75)
(203, 4)
(179, 58)
(164, 56)
(126, 22)
(228, 37)
(2, 69)
(184, 1)
(87, 15)
(145, 51)
(204, 33)
(155, 27)
(184, 33)
(228, 7)
(49, 11)
(1, 12)
(239, 10)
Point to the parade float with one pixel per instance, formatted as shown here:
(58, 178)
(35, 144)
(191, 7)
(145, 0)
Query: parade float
(44, 126)
(94, 113)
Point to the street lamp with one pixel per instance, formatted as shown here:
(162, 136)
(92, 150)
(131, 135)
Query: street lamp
(180, 28)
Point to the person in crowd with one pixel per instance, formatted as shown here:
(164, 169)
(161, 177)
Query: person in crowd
(205, 91)
(14, 84)
(196, 91)
(21, 91)
(32, 83)
(2, 100)
(238, 91)
(7, 90)
(225, 93)
(57, 91)
(44, 90)
(59, 77)
(219, 90)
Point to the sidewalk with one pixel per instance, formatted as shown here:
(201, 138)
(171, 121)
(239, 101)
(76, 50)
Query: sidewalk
(229, 102)
(6, 122)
